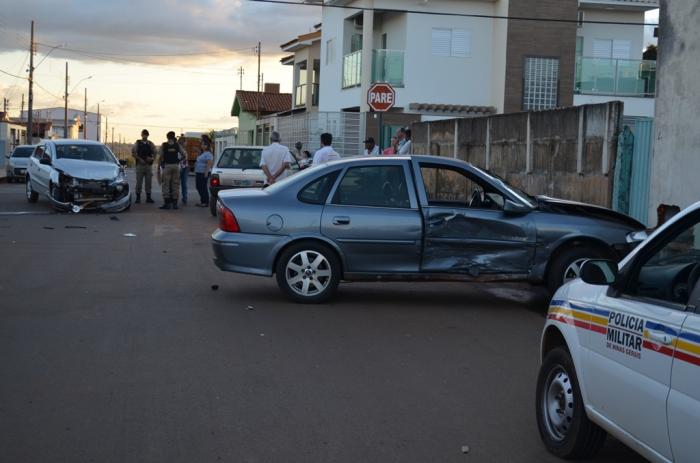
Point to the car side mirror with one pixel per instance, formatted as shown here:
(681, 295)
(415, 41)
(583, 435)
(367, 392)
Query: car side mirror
(599, 272)
(45, 161)
(511, 207)
(123, 162)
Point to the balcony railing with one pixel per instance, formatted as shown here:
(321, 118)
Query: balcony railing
(300, 95)
(387, 66)
(616, 77)
(352, 69)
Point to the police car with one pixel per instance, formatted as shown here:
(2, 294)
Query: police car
(621, 352)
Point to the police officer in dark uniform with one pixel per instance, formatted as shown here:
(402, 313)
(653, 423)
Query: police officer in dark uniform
(171, 153)
(144, 153)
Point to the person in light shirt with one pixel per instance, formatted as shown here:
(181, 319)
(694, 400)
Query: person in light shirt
(275, 160)
(371, 148)
(406, 147)
(326, 154)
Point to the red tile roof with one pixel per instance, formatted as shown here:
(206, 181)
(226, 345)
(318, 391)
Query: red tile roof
(269, 102)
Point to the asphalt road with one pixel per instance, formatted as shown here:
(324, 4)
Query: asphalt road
(115, 348)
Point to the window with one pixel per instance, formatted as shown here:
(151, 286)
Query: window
(317, 191)
(98, 153)
(330, 51)
(236, 158)
(671, 273)
(451, 42)
(540, 83)
(375, 186)
(454, 188)
(621, 49)
(602, 48)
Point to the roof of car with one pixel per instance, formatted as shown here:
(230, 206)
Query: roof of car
(418, 157)
(68, 141)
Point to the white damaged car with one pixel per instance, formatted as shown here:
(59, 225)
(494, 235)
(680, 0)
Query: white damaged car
(621, 352)
(76, 175)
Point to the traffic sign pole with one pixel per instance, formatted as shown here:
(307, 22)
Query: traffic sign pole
(381, 97)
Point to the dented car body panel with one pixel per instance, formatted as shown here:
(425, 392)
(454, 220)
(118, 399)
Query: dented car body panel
(78, 175)
(415, 218)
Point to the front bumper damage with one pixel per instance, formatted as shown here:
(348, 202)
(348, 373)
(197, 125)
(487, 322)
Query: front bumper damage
(74, 195)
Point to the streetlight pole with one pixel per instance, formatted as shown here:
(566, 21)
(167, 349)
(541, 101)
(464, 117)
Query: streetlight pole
(30, 103)
(65, 106)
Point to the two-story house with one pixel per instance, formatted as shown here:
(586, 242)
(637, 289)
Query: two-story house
(483, 57)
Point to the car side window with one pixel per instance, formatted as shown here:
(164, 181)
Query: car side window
(454, 188)
(39, 152)
(670, 273)
(374, 186)
(317, 191)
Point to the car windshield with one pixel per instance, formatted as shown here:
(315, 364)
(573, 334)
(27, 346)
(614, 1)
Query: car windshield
(240, 158)
(24, 152)
(527, 198)
(98, 153)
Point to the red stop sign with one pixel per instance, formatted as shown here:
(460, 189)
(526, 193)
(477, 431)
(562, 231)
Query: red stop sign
(381, 97)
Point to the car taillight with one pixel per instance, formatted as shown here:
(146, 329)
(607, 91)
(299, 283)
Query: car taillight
(227, 221)
(215, 180)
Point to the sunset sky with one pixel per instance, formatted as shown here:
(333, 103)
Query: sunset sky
(156, 64)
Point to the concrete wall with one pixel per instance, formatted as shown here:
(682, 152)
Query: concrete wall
(676, 158)
(567, 153)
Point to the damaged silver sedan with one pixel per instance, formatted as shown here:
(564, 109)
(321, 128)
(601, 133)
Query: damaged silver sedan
(78, 175)
(419, 218)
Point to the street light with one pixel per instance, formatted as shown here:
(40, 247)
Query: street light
(65, 98)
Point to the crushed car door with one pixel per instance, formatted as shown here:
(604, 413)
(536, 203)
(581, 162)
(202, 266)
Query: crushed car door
(466, 228)
(373, 218)
(631, 353)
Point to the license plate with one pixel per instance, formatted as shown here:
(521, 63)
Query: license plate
(243, 183)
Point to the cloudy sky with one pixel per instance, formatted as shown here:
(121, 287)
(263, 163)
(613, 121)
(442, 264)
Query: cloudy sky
(158, 64)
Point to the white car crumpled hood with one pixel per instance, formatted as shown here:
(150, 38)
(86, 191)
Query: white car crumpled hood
(87, 170)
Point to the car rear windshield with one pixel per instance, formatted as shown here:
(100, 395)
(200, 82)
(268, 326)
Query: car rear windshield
(22, 152)
(97, 153)
(240, 158)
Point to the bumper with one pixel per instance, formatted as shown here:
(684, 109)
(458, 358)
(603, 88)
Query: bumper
(245, 252)
(111, 206)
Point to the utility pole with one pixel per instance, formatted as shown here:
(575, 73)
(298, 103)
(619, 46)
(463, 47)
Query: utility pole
(112, 138)
(30, 107)
(257, 98)
(106, 129)
(4, 106)
(85, 116)
(99, 122)
(241, 71)
(22, 109)
(65, 106)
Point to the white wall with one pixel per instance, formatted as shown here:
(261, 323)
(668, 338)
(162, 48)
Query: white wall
(676, 161)
(634, 34)
(637, 107)
(56, 114)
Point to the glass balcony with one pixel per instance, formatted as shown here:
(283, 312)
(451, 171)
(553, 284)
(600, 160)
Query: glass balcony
(616, 77)
(352, 69)
(387, 66)
(300, 95)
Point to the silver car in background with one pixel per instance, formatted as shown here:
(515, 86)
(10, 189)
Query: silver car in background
(76, 175)
(17, 163)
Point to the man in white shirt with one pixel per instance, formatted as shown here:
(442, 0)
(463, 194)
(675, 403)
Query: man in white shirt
(326, 154)
(371, 149)
(406, 147)
(275, 160)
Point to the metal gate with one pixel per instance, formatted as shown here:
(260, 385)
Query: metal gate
(633, 168)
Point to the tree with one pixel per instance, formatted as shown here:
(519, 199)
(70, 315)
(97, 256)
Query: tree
(650, 52)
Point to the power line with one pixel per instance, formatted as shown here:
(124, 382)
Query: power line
(150, 55)
(13, 75)
(444, 13)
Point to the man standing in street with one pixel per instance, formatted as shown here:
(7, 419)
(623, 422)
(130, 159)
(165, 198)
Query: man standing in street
(144, 152)
(371, 149)
(171, 154)
(326, 153)
(275, 160)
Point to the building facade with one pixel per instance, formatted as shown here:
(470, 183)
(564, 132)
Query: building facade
(79, 126)
(250, 106)
(224, 139)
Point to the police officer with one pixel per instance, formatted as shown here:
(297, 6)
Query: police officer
(144, 152)
(171, 153)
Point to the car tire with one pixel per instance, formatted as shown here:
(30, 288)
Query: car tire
(308, 272)
(562, 422)
(566, 264)
(32, 196)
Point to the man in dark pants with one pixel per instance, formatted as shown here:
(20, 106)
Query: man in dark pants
(171, 154)
(144, 152)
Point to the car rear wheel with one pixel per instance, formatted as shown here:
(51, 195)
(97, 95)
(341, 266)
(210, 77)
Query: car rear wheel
(308, 273)
(561, 417)
(32, 196)
(566, 266)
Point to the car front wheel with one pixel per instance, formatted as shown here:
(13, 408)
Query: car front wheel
(561, 417)
(32, 196)
(308, 273)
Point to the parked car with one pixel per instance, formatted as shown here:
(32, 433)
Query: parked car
(408, 218)
(238, 167)
(76, 175)
(621, 352)
(16, 169)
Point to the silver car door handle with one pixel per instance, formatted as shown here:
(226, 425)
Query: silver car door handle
(662, 338)
(341, 220)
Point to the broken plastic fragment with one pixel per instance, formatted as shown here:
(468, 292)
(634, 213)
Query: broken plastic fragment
(250, 307)
(75, 209)
(129, 235)
(465, 449)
